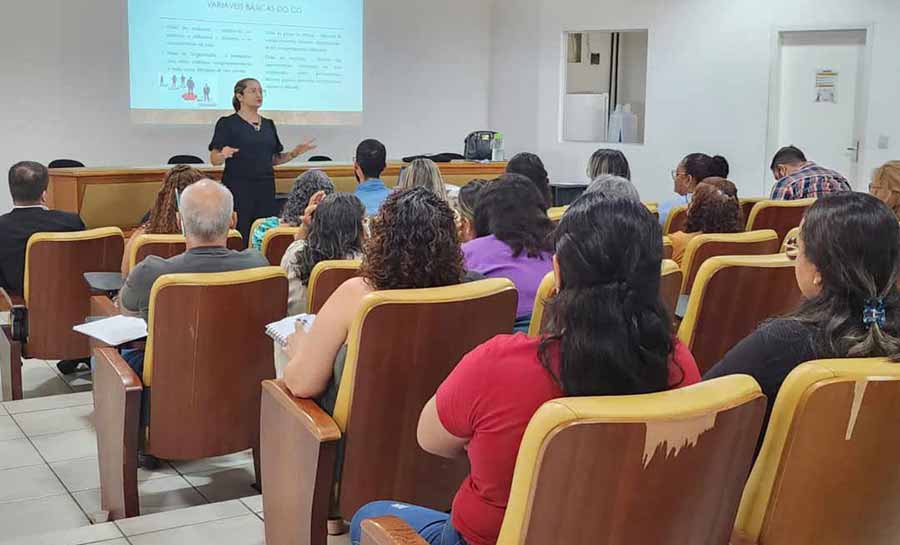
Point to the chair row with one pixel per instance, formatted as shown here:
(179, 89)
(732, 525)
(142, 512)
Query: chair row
(759, 213)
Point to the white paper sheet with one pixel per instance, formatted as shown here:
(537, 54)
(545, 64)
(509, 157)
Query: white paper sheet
(115, 330)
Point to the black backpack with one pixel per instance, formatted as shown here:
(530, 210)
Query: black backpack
(478, 146)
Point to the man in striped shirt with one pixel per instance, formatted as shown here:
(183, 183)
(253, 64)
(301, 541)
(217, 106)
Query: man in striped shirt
(797, 178)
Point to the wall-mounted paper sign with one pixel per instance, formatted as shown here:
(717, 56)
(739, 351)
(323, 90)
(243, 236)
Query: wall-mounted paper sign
(826, 85)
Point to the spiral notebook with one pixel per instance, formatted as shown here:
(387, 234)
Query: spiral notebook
(282, 329)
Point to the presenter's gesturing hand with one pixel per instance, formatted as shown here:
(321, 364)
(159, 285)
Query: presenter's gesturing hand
(294, 153)
(219, 156)
(228, 152)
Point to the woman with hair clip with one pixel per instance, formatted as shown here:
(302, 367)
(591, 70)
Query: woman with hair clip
(715, 208)
(609, 335)
(846, 259)
(162, 217)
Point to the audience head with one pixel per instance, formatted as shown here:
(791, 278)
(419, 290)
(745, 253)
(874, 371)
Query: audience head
(335, 232)
(608, 161)
(413, 243)
(715, 208)
(886, 185)
(243, 88)
(466, 203)
(206, 212)
(608, 255)
(787, 160)
(613, 187)
(370, 160)
(512, 210)
(719, 167)
(846, 265)
(692, 170)
(28, 183)
(163, 215)
(305, 186)
(423, 173)
(531, 166)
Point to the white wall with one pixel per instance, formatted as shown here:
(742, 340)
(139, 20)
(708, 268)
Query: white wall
(708, 79)
(66, 88)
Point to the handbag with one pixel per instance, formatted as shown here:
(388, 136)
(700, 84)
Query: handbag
(478, 146)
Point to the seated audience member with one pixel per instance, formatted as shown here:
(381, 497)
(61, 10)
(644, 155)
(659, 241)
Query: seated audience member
(614, 187)
(692, 170)
(161, 218)
(608, 161)
(335, 232)
(886, 185)
(305, 186)
(28, 186)
(610, 335)
(465, 208)
(531, 166)
(413, 244)
(369, 163)
(797, 178)
(206, 213)
(715, 208)
(513, 239)
(423, 173)
(847, 257)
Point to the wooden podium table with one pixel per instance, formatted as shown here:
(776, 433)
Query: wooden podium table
(119, 197)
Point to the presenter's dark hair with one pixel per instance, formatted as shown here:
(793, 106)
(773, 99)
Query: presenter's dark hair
(27, 181)
(371, 156)
(239, 88)
(608, 161)
(613, 334)
(336, 232)
(788, 155)
(512, 210)
(531, 166)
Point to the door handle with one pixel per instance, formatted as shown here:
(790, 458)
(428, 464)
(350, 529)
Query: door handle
(855, 150)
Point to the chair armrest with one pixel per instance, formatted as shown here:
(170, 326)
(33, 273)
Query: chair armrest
(389, 531)
(298, 447)
(739, 538)
(102, 305)
(8, 300)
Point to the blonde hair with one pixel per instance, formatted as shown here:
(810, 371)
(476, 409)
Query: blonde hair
(423, 173)
(886, 185)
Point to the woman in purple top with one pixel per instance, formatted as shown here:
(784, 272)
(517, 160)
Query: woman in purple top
(512, 238)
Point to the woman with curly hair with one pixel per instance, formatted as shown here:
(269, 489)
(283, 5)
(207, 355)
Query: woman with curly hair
(305, 186)
(413, 244)
(715, 208)
(162, 220)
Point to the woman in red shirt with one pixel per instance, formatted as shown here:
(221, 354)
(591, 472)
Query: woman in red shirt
(609, 334)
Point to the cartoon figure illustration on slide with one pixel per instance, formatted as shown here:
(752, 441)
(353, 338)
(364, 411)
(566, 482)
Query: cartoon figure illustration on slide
(190, 96)
(206, 92)
(162, 81)
(174, 81)
(182, 80)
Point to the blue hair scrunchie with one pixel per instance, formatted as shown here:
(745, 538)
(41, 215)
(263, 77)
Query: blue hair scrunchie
(873, 313)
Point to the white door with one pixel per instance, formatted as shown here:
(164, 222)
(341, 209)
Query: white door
(818, 105)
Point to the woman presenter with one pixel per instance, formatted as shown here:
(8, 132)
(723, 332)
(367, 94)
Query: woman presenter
(248, 144)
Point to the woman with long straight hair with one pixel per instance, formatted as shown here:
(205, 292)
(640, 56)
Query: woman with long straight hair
(609, 335)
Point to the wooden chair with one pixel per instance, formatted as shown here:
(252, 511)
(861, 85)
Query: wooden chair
(665, 468)
(667, 248)
(791, 235)
(401, 346)
(555, 214)
(56, 297)
(276, 241)
(782, 216)
(670, 285)
(546, 290)
(827, 471)
(653, 207)
(732, 295)
(166, 246)
(676, 220)
(203, 366)
(326, 277)
(703, 247)
(747, 204)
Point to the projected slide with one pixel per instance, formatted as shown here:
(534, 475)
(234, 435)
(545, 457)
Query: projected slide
(186, 55)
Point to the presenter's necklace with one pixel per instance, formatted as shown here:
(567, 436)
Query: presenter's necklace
(257, 125)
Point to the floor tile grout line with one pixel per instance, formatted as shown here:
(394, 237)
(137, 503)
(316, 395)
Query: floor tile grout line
(187, 525)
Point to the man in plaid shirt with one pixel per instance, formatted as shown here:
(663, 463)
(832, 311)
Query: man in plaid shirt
(798, 178)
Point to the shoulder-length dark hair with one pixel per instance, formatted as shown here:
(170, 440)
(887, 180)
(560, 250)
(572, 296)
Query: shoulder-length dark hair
(613, 332)
(413, 243)
(163, 214)
(513, 210)
(715, 208)
(336, 232)
(853, 240)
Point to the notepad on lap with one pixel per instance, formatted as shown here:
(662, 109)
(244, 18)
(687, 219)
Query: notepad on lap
(282, 329)
(115, 330)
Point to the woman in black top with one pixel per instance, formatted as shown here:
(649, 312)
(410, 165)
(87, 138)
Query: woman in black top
(248, 144)
(846, 256)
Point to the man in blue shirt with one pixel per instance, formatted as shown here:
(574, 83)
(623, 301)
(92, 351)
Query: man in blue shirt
(369, 163)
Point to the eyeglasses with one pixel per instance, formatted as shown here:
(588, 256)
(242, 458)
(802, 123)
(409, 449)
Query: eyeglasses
(792, 248)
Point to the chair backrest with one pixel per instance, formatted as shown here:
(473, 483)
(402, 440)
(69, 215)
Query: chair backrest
(731, 296)
(665, 468)
(676, 220)
(667, 248)
(207, 354)
(544, 292)
(781, 216)
(747, 204)
(326, 277)
(185, 160)
(827, 471)
(791, 235)
(56, 293)
(703, 247)
(276, 241)
(670, 285)
(401, 346)
(556, 213)
(166, 246)
(65, 163)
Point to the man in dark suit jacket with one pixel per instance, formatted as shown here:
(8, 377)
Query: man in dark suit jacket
(28, 186)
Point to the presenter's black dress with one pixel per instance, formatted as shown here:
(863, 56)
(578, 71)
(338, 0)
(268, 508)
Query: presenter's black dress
(249, 173)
